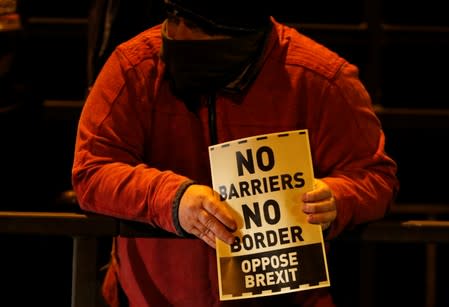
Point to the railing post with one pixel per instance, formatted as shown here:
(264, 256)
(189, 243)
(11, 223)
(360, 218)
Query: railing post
(84, 272)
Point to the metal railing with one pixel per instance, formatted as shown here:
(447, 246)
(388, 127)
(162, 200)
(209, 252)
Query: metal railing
(85, 229)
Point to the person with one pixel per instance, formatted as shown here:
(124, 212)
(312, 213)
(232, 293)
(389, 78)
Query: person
(108, 25)
(211, 72)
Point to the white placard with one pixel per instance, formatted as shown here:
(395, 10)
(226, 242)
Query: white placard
(276, 250)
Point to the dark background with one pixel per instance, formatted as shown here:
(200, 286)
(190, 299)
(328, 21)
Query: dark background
(401, 48)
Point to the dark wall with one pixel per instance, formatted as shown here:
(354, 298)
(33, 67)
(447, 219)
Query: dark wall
(400, 47)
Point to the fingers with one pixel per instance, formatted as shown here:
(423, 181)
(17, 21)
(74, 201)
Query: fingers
(220, 211)
(324, 218)
(320, 192)
(202, 214)
(204, 234)
(320, 205)
(209, 224)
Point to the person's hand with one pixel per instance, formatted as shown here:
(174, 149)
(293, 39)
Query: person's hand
(202, 214)
(319, 205)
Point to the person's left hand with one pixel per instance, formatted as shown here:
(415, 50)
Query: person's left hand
(319, 205)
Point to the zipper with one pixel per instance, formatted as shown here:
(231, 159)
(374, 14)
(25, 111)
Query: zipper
(211, 110)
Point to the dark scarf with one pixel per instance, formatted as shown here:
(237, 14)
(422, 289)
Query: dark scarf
(202, 67)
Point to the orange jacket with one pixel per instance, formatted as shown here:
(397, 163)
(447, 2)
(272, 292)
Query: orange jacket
(137, 145)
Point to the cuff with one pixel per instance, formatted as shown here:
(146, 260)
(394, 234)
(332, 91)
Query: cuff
(175, 208)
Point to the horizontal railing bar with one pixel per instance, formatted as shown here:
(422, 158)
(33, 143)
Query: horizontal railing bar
(400, 232)
(419, 208)
(57, 223)
(51, 21)
(390, 117)
(92, 225)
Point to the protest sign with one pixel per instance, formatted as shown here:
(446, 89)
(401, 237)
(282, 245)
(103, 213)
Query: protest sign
(276, 250)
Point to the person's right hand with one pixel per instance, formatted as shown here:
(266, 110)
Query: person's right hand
(202, 214)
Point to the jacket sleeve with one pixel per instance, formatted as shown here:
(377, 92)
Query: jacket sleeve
(109, 175)
(347, 144)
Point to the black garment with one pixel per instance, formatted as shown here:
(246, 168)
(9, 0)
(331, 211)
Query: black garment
(112, 22)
